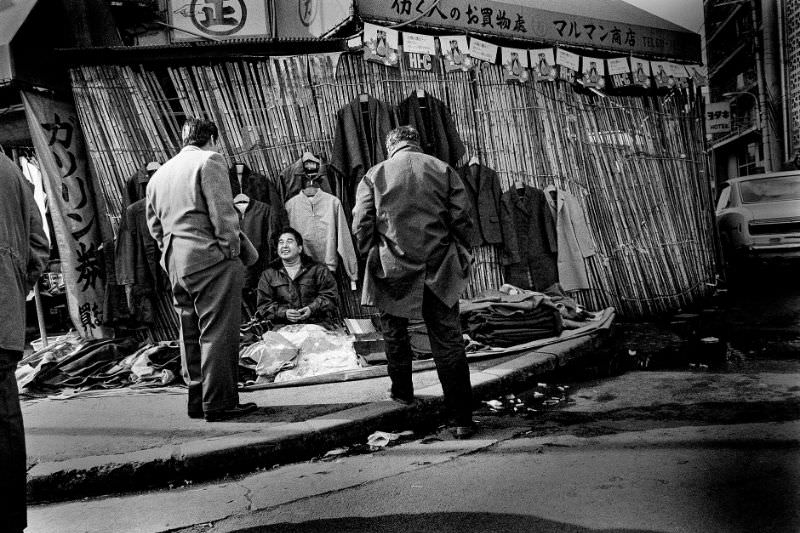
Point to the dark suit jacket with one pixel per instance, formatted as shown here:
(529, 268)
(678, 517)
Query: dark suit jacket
(259, 187)
(190, 212)
(437, 131)
(483, 191)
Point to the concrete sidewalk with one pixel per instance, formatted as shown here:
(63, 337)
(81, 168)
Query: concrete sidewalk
(125, 440)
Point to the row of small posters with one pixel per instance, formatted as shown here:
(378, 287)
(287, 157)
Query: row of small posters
(460, 53)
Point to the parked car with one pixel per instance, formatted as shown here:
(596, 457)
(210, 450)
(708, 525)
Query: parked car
(759, 216)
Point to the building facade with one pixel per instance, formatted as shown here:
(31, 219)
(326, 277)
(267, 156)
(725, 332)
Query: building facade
(749, 45)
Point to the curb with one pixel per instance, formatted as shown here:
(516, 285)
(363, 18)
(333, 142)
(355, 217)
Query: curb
(217, 457)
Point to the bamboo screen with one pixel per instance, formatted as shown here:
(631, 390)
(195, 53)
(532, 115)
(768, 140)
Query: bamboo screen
(636, 164)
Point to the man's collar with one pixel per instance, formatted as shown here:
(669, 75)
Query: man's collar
(405, 145)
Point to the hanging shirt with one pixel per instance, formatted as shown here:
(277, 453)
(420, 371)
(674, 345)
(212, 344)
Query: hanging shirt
(575, 242)
(321, 221)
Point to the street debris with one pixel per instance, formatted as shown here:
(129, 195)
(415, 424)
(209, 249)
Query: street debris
(543, 396)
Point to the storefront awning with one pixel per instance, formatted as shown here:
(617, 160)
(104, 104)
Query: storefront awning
(609, 25)
(12, 15)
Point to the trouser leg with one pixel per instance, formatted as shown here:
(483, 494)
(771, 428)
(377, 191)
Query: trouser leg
(13, 470)
(398, 355)
(218, 302)
(190, 346)
(447, 347)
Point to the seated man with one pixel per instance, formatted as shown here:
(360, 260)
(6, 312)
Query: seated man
(295, 289)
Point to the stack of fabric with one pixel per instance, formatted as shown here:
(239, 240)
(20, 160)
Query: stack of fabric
(501, 319)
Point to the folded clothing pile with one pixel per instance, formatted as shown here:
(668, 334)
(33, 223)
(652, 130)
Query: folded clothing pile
(497, 318)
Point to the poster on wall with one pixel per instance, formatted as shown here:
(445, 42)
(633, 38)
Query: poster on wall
(641, 72)
(619, 71)
(593, 72)
(515, 64)
(568, 65)
(678, 74)
(543, 61)
(698, 74)
(662, 74)
(483, 51)
(59, 145)
(381, 45)
(456, 53)
(419, 52)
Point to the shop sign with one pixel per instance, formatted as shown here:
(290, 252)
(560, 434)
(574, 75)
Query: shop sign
(420, 52)
(516, 21)
(718, 117)
(59, 144)
(218, 19)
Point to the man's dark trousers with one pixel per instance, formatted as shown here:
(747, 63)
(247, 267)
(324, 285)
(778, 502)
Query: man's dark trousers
(209, 306)
(447, 347)
(13, 468)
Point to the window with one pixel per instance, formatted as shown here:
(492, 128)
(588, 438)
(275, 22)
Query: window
(724, 198)
(748, 159)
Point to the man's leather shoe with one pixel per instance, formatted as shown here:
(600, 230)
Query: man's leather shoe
(195, 414)
(232, 412)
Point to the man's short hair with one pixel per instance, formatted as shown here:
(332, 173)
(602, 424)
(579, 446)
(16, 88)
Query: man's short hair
(403, 133)
(294, 233)
(198, 131)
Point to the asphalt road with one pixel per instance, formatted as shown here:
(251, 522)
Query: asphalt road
(643, 451)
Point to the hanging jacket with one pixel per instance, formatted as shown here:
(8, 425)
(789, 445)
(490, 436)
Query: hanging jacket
(135, 186)
(531, 238)
(291, 180)
(358, 146)
(437, 130)
(483, 191)
(326, 235)
(261, 225)
(313, 286)
(575, 242)
(258, 187)
(136, 258)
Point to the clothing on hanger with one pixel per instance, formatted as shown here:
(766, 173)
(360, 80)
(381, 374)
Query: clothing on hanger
(257, 187)
(575, 242)
(530, 238)
(483, 191)
(437, 131)
(321, 221)
(293, 178)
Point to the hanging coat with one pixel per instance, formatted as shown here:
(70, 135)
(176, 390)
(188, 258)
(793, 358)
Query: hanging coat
(412, 222)
(258, 187)
(358, 146)
(483, 191)
(575, 242)
(262, 226)
(437, 130)
(290, 182)
(528, 217)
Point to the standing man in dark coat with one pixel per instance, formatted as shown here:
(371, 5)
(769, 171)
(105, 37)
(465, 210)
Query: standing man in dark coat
(23, 252)
(191, 215)
(412, 220)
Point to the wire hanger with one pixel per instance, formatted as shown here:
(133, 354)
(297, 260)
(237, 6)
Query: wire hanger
(308, 156)
(474, 160)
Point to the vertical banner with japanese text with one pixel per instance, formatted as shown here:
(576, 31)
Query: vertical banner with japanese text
(60, 148)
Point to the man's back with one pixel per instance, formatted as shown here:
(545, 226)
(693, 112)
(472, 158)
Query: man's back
(414, 203)
(190, 211)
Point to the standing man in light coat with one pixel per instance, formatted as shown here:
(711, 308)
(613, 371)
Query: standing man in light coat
(191, 215)
(412, 220)
(23, 252)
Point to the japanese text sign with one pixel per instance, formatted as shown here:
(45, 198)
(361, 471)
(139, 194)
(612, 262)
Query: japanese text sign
(718, 117)
(218, 19)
